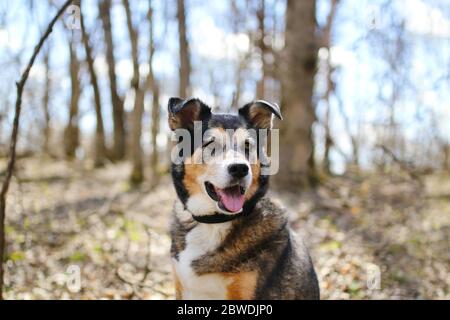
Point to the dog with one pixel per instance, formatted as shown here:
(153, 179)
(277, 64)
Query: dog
(229, 241)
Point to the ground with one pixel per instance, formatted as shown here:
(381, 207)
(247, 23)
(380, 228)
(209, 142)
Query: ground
(78, 233)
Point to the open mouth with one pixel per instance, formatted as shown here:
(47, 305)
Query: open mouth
(230, 199)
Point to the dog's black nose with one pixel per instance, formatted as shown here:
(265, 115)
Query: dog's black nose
(238, 170)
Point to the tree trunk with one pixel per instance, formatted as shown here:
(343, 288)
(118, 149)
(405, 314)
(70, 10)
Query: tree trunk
(329, 88)
(261, 15)
(154, 160)
(46, 101)
(100, 148)
(137, 173)
(71, 132)
(238, 18)
(118, 151)
(446, 157)
(155, 102)
(297, 167)
(185, 66)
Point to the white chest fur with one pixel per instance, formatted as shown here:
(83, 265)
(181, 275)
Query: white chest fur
(202, 239)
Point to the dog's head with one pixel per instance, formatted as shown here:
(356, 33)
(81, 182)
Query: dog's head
(220, 173)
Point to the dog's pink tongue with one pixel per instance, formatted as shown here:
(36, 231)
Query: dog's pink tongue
(232, 199)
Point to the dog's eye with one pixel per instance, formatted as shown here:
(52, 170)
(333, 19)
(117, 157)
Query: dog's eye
(207, 143)
(211, 148)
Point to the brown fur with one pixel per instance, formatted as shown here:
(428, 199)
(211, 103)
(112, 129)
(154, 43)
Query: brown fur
(178, 285)
(256, 172)
(242, 286)
(185, 117)
(260, 117)
(192, 171)
(174, 122)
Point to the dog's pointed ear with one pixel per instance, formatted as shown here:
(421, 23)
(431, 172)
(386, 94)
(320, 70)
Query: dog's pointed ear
(183, 113)
(259, 113)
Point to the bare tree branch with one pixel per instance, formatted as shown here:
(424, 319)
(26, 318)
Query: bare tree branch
(403, 165)
(12, 148)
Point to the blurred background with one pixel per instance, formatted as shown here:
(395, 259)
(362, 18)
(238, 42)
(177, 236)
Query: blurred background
(364, 148)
